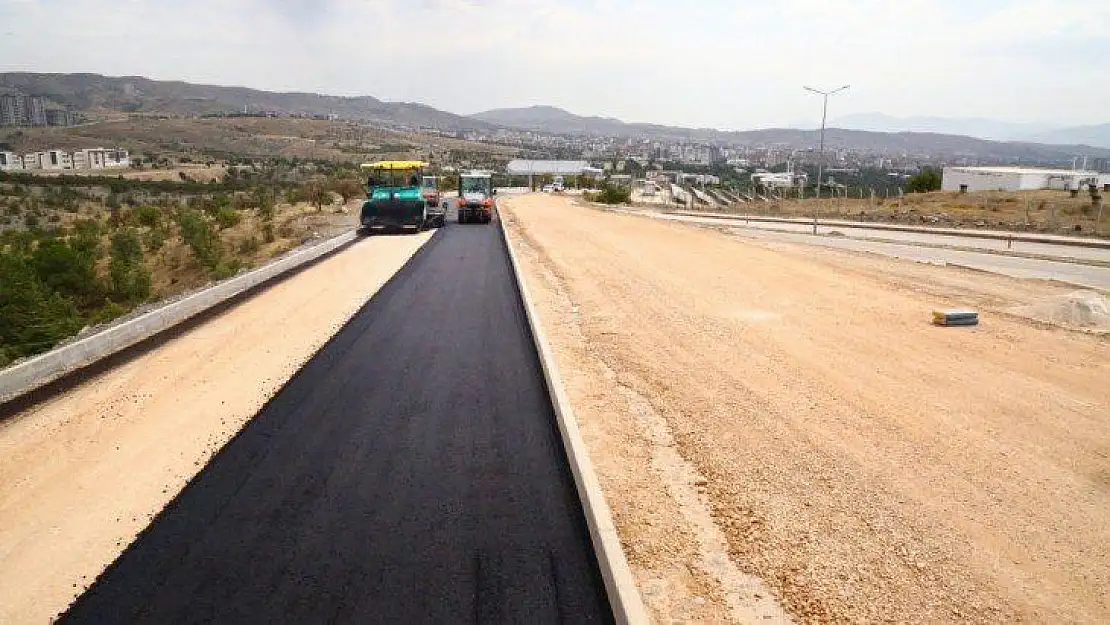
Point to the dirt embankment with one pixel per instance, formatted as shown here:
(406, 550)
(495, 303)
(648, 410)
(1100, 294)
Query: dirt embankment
(83, 473)
(792, 408)
(1054, 212)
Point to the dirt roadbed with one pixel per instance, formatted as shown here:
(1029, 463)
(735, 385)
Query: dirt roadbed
(783, 435)
(82, 474)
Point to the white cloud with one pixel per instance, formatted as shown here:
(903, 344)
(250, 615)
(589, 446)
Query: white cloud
(714, 62)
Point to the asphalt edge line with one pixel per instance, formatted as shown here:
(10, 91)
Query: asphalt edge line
(34, 373)
(620, 585)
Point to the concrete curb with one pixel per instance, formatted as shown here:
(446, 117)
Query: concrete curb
(29, 375)
(953, 232)
(624, 596)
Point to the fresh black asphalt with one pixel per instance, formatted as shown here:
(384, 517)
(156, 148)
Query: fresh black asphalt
(411, 472)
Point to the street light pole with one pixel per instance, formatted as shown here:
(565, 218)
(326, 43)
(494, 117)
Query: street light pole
(821, 153)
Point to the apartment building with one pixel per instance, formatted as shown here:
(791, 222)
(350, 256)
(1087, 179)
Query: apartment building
(21, 110)
(36, 111)
(56, 159)
(93, 158)
(12, 111)
(10, 161)
(48, 160)
(60, 117)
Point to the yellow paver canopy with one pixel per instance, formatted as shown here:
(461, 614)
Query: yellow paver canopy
(394, 165)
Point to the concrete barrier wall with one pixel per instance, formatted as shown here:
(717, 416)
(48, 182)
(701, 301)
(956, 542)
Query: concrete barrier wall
(45, 368)
(620, 586)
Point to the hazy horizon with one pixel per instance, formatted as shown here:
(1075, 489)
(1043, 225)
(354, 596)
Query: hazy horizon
(731, 66)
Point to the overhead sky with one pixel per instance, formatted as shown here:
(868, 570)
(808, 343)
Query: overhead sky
(731, 64)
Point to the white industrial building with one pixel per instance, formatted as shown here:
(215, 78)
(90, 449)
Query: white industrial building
(1016, 179)
(532, 168)
(541, 168)
(702, 179)
(781, 180)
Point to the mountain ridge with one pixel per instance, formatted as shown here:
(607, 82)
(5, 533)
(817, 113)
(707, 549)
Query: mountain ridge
(551, 119)
(137, 94)
(1097, 135)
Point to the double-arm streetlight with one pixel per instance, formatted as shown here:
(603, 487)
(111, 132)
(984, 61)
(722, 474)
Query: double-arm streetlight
(821, 162)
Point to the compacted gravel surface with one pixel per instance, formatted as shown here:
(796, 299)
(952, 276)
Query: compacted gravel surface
(782, 433)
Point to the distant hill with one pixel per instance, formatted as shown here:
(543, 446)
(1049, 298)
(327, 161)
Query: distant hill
(969, 126)
(919, 143)
(1096, 135)
(556, 120)
(551, 119)
(135, 94)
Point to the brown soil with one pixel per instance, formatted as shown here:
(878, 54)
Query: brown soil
(199, 173)
(175, 269)
(203, 139)
(862, 463)
(83, 473)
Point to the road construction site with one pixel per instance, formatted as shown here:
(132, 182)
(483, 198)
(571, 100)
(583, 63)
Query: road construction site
(778, 425)
(780, 432)
(409, 471)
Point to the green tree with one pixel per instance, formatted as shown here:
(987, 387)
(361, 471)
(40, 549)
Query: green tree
(130, 278)
(86, 238)
(227, 217)
(33, 317)
(347, 188)
(70, 270)
(149, 216)
(928, 179)
(613, 194)
(264, 203)
(154, 239)
(317, 194)
(292, 196)
(200, 237)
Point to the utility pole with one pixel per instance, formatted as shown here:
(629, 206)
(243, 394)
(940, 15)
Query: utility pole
(821, 157)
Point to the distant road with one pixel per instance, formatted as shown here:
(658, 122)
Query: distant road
(412, 472)
(933, 249)
(946, 237)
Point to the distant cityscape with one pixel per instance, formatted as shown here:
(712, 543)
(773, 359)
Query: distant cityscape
(25, 111)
